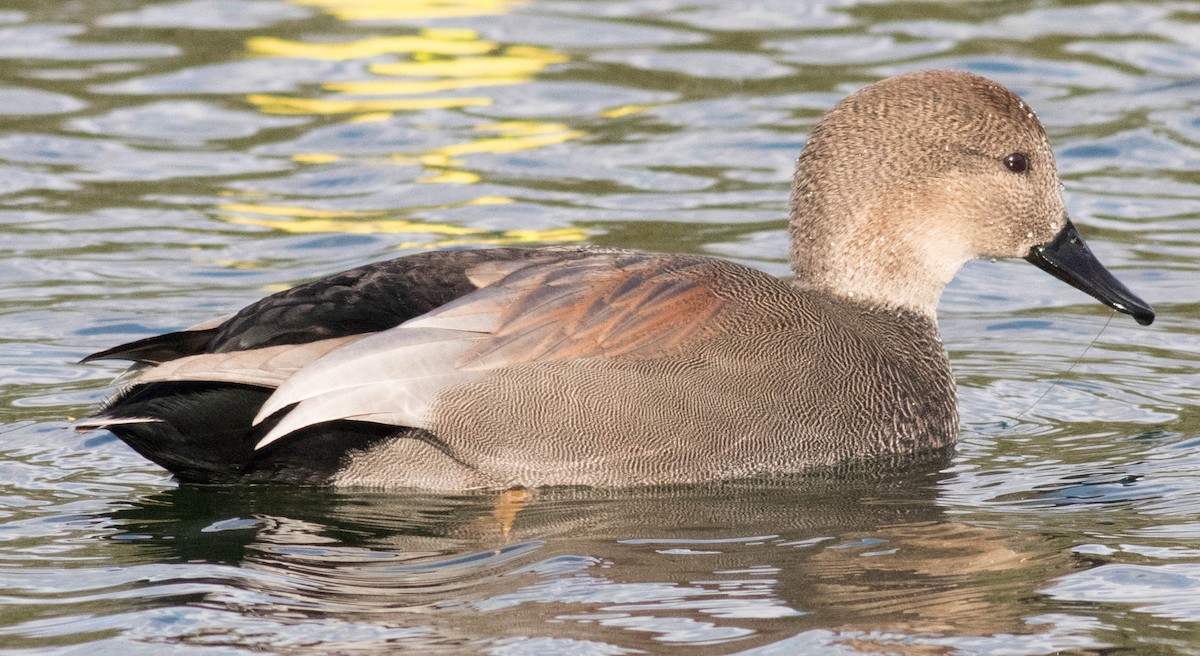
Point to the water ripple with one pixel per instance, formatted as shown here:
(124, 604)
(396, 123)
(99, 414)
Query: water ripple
(168, 162)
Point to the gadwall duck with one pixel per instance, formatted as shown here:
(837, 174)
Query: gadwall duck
(510, 367)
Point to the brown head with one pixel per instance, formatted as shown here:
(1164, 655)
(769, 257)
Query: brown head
(903, 182)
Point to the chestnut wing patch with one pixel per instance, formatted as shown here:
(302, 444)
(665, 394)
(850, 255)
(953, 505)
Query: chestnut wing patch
(616, 307)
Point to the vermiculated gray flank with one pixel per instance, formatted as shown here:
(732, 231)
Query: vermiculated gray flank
(586, 366)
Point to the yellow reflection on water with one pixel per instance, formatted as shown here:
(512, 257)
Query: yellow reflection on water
(410, 9)
(450, 177)
(407, 88)
(316, 158)
(370, 117)
(438, 61)
(511, 136)
(292, 211)
(624, 110)
(516, 61)
(306, 220)
(428, 42)
(426, 70)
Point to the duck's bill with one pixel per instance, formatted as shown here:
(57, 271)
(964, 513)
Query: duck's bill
(1068, 258)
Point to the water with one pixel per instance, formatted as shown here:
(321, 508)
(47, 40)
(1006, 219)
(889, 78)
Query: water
(163, 163)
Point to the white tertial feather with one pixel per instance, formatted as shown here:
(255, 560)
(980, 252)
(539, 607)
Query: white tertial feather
(105, 422)
(391, 377)
(266, 367)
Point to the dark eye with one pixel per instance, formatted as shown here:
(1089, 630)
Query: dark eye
(1017, 162)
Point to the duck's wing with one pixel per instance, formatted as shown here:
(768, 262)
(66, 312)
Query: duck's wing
(161, 348)
(540, 309)
(269, 366)
(363, 300)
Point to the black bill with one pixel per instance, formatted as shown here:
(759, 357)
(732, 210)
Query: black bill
(1068, 258)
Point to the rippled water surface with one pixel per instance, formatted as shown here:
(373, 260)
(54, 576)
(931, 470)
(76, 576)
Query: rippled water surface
(162, 163)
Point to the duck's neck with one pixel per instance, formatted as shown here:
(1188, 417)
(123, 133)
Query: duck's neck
(884, 254)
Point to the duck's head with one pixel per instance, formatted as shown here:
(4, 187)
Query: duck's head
(906, 180)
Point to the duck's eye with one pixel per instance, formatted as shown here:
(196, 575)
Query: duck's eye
(1017, 162)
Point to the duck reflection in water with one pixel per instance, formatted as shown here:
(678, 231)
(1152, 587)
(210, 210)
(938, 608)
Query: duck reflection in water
(740, 564)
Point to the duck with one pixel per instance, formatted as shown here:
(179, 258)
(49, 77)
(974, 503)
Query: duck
(509, 368)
